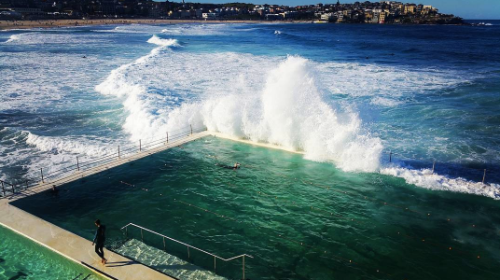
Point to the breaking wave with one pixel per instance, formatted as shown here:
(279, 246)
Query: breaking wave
(280, 101)
(34, 38)
(163, 42)
(13, 38)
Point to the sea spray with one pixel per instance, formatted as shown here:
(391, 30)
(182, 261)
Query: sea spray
(290, 112)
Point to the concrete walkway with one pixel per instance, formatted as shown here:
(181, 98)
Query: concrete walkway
(253, 143)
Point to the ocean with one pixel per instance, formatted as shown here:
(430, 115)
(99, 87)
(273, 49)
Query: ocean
(345, 94)
(419, 104)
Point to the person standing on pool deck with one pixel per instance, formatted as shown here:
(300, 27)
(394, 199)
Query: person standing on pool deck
(99, 239)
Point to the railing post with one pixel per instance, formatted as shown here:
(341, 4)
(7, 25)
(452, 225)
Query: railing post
(215, 264)
(142, 236)
(191, 127)
(484, 175)
(126, 232)
(119, 151)
(13, 188)
(27, 186)
(41, 172)
(140, 145)
(167, 136)
(189, 254)
(164, 246)
(3, 189)
(243, 268)
(390, 156)
(77, 164)
(433, 165)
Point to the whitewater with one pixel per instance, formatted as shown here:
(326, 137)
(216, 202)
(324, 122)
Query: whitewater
(277, 86)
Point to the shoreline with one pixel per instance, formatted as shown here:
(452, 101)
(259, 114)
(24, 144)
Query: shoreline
(6, 25)
(28, 24)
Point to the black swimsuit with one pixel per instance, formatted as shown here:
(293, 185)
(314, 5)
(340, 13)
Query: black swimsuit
(228, 166)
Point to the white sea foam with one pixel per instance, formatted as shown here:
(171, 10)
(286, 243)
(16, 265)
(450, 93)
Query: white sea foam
(50, 152)
(199, 29)
(123, 82)
(132, 29)
(426, 179)
(69, 145)
(277, 32)
(381, 101)
(13, 38)
(163, 42)
(171, 31)
(384, 83)
(30, 84)
(37, 38)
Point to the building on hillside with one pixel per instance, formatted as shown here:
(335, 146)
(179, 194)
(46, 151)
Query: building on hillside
(209, 16)
(273, 16)
(410, 9)
(382, 17)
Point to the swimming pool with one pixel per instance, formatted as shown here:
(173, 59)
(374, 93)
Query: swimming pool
(21, 258)
(299, 219)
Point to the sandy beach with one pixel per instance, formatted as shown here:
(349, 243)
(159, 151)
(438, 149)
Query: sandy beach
(26, 24)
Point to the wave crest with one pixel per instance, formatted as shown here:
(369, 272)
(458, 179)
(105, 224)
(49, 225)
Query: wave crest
(163, 42)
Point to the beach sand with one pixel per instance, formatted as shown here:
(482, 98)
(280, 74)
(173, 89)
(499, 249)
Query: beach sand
(26, 24)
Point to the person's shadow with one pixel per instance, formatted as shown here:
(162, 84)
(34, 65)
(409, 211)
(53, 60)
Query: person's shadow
(122, 263)
(19, 275)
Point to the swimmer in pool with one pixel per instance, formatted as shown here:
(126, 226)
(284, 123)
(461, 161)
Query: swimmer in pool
(234, 167)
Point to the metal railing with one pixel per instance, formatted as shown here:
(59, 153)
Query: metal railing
(188, 247)
(41, 176)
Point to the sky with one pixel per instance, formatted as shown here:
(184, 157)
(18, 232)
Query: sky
(467, 9)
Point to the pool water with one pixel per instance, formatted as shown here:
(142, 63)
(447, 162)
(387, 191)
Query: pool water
(21, 258)
(299, 219)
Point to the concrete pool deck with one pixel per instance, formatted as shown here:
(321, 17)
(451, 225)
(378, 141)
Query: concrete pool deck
(78, 248)
(72, 246)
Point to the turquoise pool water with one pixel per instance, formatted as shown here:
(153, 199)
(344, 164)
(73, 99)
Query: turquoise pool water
(300, 219)
(21, 258)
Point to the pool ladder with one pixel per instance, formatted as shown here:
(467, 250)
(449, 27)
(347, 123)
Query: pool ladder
(188, 246)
